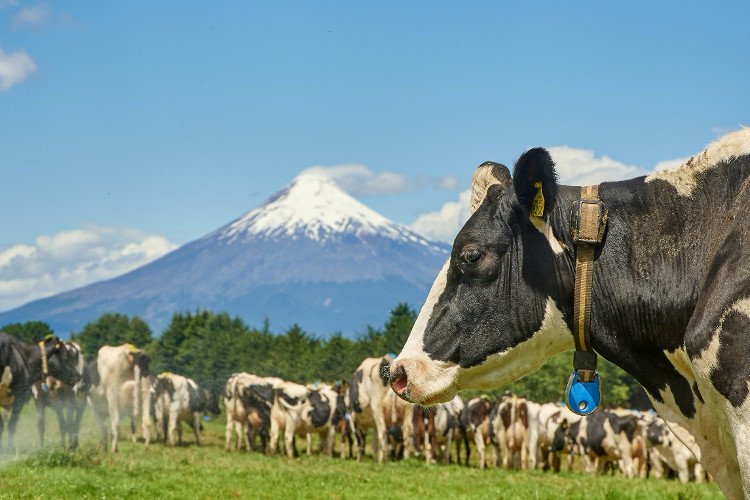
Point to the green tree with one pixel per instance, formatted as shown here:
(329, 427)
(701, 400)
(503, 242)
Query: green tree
(28, 331)
(396, 330)
(112, 329)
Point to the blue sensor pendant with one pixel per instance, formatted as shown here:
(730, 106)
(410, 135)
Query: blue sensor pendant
(582, 397)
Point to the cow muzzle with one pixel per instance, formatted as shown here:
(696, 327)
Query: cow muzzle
(417, 381)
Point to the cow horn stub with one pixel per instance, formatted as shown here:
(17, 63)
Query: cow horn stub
(487, 174)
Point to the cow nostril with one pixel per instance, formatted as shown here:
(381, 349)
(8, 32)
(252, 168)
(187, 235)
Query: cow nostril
(399, 380)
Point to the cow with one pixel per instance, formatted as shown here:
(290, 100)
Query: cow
(22, 365)
(344, 427)
(371, 404)
(667, 449)
(255, 395)
(121, 380)
(601, 438)
(177, 399)
(434, 429)
(548, 419)
(301, 410)
(474, 425)
(509, 430)
(68, 402)
(670, 293)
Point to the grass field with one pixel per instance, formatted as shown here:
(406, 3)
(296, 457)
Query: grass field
(207, 471)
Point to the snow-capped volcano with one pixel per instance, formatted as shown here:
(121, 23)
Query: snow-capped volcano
(310, 254)
(315, 207)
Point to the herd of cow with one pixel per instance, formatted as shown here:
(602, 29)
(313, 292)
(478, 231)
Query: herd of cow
(524, 433)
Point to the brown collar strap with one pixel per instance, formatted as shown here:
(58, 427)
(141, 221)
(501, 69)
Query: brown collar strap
(588, 220)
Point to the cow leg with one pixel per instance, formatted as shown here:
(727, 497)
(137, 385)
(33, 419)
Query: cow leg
(308, 439)
(79, 405)
(289, 443)
(197, 426)
(39, 403)
(381, 432)
(274, 437)
(114, 415)
(479, 442)
(62, 422)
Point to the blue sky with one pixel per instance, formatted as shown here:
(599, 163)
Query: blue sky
(128, 128)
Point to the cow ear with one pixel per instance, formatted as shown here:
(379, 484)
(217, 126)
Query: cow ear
(535, 181)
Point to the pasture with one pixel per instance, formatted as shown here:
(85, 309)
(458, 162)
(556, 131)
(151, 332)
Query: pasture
(208, 472)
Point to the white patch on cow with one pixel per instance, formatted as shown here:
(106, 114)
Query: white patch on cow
(553, 337)
(546, 230)
(683, 178)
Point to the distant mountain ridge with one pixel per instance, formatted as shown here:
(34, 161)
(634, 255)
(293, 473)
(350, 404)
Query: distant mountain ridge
(311, 254)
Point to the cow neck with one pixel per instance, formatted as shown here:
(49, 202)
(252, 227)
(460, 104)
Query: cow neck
(588, 220)
(44, 359)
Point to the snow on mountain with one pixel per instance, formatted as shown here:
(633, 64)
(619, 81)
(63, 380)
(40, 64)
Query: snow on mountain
(311, 254)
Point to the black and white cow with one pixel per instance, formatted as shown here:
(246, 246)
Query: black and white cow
(178, 399)
(602, 437)
(247, 400)
(68, 402)
(665, 448)
(21, 365)
(671, 295)
(474, 425)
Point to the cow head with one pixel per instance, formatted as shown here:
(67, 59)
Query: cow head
(62, 362)
(493, 313)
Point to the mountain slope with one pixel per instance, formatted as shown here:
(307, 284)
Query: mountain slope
(310, 254)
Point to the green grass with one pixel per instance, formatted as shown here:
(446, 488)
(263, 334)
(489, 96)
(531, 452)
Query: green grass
(207, 472)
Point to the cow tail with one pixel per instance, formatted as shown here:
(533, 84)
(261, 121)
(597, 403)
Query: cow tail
(137, 391)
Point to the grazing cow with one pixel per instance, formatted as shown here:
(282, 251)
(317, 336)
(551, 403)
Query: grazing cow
(372, 405)
(474, 425)
(121, 380)
(509, 430)
(344, 427)
(68, 402)
(670, 295)
(672, 452)
(23, 364)
(178, 399)
(302, 411)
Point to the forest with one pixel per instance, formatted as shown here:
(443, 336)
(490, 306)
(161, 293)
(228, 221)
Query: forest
(209, 346)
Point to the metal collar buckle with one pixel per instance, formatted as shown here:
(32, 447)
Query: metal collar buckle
(588, 219)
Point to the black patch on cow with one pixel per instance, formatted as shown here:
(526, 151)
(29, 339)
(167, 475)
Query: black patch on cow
(354, 391)
(197, 397)
(625, 423)
(289, 399)
(595, 433)
(655, 432)
(321, 408)
(731, 374)
(697, 392)
(385, 371)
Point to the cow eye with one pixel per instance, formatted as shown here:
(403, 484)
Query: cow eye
(471, 256)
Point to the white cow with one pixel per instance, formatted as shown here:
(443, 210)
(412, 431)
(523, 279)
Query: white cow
(121, 371)
(665, 447)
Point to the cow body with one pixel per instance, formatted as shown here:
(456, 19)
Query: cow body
(121, 382)
(474, 424)
(21, 366)
(509, 428)
(68, 402)
(372, 405)
(672, 452)
(670, 301)
(179, 399)
(302, 411)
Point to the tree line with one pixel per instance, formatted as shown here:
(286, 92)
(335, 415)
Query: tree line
(209, 346)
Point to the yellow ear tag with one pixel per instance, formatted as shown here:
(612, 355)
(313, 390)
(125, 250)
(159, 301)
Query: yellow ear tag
(537, 204)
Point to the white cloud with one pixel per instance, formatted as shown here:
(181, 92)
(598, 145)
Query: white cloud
(359, 180)
(443, 224)
(71, 259)
(32, 17)
(7, 3)
(14, 68)
(578, 167)
(581, 167)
